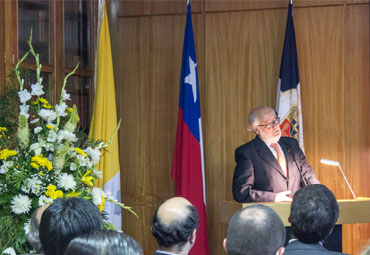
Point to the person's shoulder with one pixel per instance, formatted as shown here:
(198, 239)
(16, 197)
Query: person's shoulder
(246, 146)
(289, 141)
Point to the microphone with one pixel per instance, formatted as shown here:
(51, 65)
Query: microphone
(298, 167)
(336, 163)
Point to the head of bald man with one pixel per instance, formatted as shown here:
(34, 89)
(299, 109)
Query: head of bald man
(174, 225)
(255, 230)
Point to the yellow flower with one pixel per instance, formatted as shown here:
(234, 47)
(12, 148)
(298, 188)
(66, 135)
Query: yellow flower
(102, 204)
(49, 126)
(73, 194)
(42, 161)
(41, 173)
(35, 165)
(87, 179)
(52, 192)
(69, 109)
(3, 129)
(81, 152)
(43, 100)
(1, 136)
(47, 106)
(4, 154)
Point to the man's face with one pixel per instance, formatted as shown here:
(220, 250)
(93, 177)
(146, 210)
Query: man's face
(268, 128)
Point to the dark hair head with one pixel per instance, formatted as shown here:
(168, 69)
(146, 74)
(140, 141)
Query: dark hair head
(178, 231)
(65, 219)
(104, 242)
(313, 213)
(256, 230)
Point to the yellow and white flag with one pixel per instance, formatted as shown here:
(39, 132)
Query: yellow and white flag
(104, 123)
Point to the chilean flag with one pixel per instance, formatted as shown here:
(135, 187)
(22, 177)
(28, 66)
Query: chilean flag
(188, 161)
(288, 102)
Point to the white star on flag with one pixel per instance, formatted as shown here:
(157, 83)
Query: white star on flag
(191, 79)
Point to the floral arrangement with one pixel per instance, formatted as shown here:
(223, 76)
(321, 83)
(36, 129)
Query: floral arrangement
(46, 159)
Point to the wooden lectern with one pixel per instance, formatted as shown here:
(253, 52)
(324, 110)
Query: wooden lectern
(351, 211)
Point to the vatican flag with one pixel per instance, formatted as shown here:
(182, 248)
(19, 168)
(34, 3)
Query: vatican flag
(104, 123)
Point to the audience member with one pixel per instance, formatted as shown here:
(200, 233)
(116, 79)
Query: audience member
(104, 242)
(313, 214)
(255, 230)
(174, 225)
(65, 219)
(33, 235)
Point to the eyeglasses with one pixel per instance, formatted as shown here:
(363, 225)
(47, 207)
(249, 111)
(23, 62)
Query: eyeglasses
(271, 124)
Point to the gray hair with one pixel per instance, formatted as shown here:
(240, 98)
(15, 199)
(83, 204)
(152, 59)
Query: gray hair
(256, 113)
(33, 235)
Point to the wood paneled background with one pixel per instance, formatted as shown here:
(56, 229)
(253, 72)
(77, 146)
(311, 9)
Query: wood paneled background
(239, 47)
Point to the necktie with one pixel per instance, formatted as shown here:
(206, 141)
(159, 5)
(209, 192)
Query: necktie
(280, 158)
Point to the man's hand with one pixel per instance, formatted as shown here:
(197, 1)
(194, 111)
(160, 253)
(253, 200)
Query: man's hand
(283, 196)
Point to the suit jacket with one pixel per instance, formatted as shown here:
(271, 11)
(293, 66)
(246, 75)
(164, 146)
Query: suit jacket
(298, 248)
(258, 175)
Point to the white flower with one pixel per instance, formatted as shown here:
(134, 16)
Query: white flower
(21, 204)
(96, 195)
(48, 115)
(5, 166)
(9, 251)
(82, 160)
(43, 200)
(37, 89)
(65, 95)
(37, 130)
(61, 109)
(26, 188)
(36, 147)
(27, 227)
(52, 136)
(94, 154)
(66, 135)
(67, 182)
(34, 120)
(36, 185)
(97, 173)
(24, 96)
(73, 167)
(23, 110)
(49, 147)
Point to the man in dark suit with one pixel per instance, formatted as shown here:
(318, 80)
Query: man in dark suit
(313, 214)
(269, 168)
(174, 225)
(255, 230)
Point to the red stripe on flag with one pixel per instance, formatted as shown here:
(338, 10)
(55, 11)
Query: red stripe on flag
(187, 173)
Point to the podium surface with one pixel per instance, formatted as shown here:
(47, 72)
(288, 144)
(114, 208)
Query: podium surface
(350, 210)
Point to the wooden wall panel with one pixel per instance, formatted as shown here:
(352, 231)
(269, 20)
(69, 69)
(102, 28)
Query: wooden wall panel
(238, 55)
(357, 115)
(155, 7)
(2, 46)
(150, 62)
(237, 5)
(319, 34)
(243, 54)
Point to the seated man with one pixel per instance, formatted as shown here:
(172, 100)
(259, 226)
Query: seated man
(255, 230)
(174, 225)
(104, 242)
(313, 215)
(65, 219)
